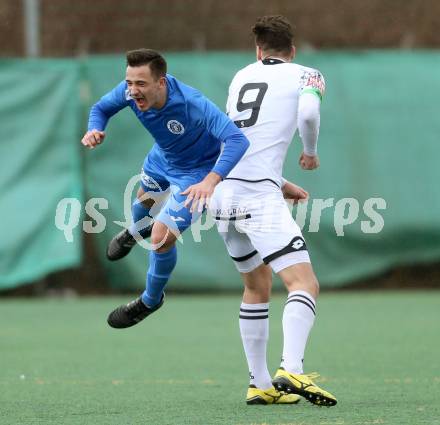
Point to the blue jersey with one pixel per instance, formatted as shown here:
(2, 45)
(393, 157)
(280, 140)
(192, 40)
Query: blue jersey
(188, 130)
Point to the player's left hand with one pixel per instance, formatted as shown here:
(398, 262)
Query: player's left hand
(294, 193)
(199, 195)
(308, 162)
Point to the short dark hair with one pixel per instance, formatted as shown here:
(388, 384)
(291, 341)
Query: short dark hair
(273, 32)
(153, 59)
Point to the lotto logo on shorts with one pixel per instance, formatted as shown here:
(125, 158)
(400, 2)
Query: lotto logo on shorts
(298, 244)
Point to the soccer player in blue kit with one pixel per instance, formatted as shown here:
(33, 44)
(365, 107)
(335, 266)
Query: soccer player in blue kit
(185, 163)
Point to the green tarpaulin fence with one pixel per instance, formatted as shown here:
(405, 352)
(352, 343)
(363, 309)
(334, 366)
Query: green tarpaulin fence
(40, 120)
(379, 147)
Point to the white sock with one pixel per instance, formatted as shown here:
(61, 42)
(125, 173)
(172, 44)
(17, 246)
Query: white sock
(298, 318)
(254, 330)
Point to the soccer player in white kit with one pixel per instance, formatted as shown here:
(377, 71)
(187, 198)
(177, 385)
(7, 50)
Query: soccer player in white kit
(269, 100)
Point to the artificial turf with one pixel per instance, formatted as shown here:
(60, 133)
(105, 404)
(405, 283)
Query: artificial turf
(60, 363)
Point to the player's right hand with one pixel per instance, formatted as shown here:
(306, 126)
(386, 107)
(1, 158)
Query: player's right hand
(308, 162)
(198, 195)
(93, 138)
(294, 193)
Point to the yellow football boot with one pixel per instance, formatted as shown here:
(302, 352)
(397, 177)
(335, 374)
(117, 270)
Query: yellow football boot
(270, 396)
(304, 386)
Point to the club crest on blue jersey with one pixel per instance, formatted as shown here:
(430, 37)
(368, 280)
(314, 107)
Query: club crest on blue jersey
(175, 127)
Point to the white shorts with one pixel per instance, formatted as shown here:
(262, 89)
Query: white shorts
(257, 225)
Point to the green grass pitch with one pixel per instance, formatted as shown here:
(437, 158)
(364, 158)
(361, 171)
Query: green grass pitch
(60, 363)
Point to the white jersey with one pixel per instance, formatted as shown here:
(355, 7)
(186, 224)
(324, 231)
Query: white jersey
(263, 102)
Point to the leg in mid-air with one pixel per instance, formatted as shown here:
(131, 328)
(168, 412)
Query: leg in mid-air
(145, 207)
(254, 331)
(298, 318)
(162, 262)
(173, 219)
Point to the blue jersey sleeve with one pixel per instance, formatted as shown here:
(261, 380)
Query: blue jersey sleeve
(222, 128)
(107, 106)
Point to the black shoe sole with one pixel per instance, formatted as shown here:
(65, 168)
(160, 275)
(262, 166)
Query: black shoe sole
(122, 251)
(117, 318)
(117, 257)
(117, 252)
(284, 385)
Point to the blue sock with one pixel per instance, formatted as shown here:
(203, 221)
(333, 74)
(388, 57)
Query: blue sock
(141, 219)
(161, 266)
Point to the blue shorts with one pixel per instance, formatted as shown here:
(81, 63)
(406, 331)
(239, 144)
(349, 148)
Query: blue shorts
(173, 213)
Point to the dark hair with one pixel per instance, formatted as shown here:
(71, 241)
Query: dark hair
(153, 59)
(273, 33)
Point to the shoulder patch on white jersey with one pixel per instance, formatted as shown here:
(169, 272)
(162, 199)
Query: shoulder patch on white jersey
(311, 80)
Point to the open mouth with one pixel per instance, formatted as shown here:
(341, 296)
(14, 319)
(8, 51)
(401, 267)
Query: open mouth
(140, 101)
